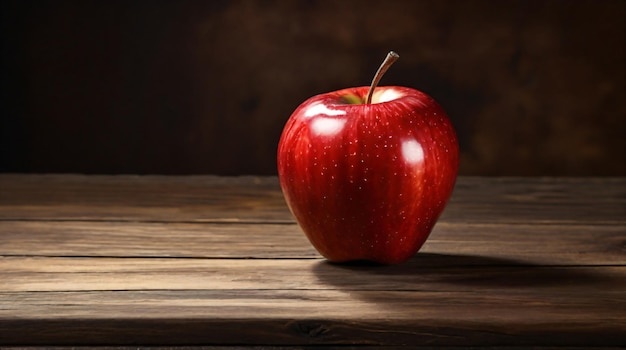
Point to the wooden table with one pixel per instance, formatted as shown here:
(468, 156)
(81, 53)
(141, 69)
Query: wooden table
(154, 260)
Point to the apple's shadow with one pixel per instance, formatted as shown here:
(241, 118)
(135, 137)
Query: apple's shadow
(453, 298)
(463, 272)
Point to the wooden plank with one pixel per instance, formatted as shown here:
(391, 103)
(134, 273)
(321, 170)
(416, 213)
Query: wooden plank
(258, 199)
(141, 239)
(313, 317)
(426, 272)
(538, 200)
(149, 198)
(537, 244)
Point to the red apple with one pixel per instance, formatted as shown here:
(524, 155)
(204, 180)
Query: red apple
(368, 180)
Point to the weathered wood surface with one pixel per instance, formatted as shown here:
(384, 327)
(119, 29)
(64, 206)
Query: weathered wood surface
(133, 260)
(550, 244)
(257, 199)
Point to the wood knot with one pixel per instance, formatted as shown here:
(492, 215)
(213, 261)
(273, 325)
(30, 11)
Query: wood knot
(310, 329)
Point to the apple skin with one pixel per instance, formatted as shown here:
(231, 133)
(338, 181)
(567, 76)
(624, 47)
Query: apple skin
(368, 181)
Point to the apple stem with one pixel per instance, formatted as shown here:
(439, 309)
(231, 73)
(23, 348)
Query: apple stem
(389, 60)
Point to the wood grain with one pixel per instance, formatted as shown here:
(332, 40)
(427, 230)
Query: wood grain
(425, 272)
(154, 260)
(303, 317)
(543, 244)
(258, 199)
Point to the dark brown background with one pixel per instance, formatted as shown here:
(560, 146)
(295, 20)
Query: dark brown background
(533, 87)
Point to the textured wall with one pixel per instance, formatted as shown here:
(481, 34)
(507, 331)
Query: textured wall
(533, 87)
